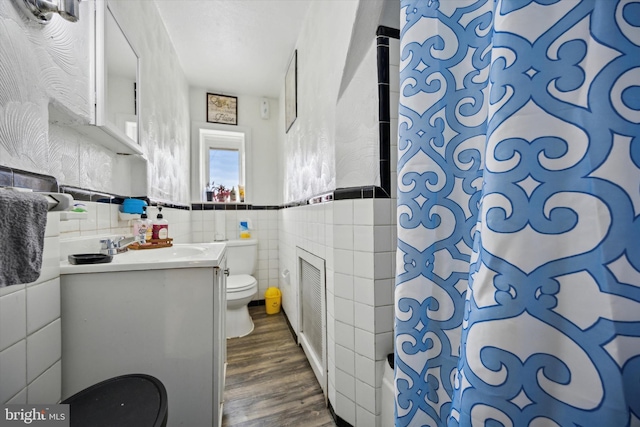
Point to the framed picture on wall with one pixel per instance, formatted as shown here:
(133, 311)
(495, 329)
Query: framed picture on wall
(222, 109)
(290, 92)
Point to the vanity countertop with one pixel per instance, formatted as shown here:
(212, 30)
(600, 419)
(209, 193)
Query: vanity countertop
(181, 255)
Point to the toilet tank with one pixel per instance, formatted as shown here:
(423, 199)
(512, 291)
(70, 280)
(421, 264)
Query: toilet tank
(242, 256)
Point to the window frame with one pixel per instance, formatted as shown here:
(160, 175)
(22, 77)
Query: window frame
(207, 135)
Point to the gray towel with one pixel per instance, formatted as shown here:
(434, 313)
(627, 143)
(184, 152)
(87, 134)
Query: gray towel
(23, 219)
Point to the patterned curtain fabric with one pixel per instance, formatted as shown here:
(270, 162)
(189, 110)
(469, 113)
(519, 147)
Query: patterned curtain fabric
(518, 263)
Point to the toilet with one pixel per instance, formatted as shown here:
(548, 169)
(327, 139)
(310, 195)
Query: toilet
(242, 257)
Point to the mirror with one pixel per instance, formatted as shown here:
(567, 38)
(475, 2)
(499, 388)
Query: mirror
(122, 72)
(117, 81)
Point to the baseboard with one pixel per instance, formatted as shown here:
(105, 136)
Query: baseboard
(338, 420)
(293, 333)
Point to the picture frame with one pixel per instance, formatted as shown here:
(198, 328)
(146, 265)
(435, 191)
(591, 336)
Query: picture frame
(290, 92)
(222, 109)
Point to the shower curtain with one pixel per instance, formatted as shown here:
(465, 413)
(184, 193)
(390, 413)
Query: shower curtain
(518, 261)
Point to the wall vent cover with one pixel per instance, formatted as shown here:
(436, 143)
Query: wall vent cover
(313, 313)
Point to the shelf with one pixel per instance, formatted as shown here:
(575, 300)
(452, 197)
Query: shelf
(109, 137)
(128, 216)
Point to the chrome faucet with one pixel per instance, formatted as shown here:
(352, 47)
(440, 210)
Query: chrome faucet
(119, 244)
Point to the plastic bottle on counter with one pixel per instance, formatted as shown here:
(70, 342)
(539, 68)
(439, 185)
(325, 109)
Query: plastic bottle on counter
(241, 193)
(160, 226)
(142, 226)
(149, 230)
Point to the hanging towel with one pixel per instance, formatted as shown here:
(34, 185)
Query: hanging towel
(23, 219)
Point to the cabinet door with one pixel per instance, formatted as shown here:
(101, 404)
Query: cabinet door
(220, 341)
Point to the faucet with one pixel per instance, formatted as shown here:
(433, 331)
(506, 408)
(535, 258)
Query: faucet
(119, 244)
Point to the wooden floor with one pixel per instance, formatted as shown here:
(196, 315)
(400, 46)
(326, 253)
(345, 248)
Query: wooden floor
(269, 380)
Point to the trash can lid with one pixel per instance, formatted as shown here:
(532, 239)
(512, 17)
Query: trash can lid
(126, 401)
(272, 293)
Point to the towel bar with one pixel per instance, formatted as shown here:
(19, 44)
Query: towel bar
(57, 201)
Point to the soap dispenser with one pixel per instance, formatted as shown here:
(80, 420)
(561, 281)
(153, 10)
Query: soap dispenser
(149, 229)
(160, 226)
(142, 227)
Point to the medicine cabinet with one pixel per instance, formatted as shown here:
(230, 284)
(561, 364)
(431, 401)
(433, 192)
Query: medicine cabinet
(116, 82)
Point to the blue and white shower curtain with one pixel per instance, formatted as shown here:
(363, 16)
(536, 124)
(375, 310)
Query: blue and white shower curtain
(518, 263)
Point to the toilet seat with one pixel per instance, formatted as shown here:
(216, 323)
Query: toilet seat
(240, 283)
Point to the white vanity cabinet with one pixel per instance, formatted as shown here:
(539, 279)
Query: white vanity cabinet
(160, 319)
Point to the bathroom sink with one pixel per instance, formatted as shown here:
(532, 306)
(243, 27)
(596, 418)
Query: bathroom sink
(180, 255)
(173, 253)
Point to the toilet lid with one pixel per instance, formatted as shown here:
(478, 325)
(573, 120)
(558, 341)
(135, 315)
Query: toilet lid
(240, 282)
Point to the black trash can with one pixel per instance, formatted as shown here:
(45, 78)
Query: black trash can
(135, 400)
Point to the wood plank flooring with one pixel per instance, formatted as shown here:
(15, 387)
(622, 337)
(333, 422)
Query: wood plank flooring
(269, 380)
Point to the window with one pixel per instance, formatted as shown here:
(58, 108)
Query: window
(224, 167)
(223, 160)
(224, 174)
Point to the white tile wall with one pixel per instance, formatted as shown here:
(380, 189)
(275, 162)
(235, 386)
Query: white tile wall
(13, 370)
(13, 317)
(210, 225)
(372, 280)
(44, 349)
(40, 311)
(104, 219)
(360, 302)
(46, 387)
(345, 408)
(30, 336)
(346, 384)
(345, 360)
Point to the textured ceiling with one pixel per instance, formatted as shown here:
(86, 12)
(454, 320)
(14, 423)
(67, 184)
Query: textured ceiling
(234, 46)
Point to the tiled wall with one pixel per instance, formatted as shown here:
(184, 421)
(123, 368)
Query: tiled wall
(356, 238)
(364, 254)
(104, 219)
(30, 345)
(309, 227)
(209, 225)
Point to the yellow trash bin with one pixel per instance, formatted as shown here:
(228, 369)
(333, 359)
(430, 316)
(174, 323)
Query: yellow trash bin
(272, 298)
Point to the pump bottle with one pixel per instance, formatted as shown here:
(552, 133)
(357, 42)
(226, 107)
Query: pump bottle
(160, 226)
(142, 227)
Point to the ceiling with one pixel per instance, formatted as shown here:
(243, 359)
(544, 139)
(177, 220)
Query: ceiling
(234, 46)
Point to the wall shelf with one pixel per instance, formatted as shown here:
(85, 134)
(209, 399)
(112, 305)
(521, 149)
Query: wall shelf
(105, 137)
(111, 139)
(127, 216)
